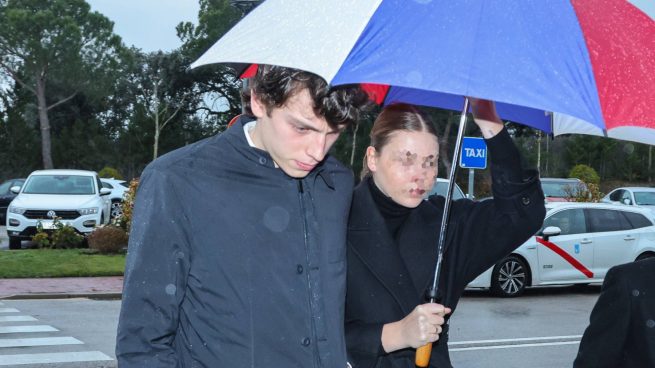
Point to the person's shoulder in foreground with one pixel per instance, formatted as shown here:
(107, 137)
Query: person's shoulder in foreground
(621, 332)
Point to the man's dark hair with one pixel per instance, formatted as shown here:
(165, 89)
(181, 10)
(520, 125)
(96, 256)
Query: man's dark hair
(274, 85)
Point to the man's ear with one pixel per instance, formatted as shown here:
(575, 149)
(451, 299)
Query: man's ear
(371, 159)
(256, 106)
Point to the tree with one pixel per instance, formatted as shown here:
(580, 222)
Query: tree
(215, 93)
(163, 89)
(54, 43)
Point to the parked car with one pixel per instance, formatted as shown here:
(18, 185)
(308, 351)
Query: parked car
(118, 189)
(577, 244)
(76, 197)
(6, 196)
(441, 186)
(562, 190)
(632, 196)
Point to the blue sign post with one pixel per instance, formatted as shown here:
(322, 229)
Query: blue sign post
(474, 156)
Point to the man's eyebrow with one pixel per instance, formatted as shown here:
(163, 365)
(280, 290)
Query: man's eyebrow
(303, 124)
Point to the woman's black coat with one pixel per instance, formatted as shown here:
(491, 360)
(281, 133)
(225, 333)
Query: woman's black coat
(381, 289)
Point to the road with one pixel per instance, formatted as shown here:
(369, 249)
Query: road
(4, 240)
(64, 333)
(541, 329)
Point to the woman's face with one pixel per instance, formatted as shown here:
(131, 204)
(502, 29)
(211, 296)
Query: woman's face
(406, 168)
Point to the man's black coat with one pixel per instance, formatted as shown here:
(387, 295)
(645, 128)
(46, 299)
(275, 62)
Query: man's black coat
(381, 289)
(621, 332)
(232, 263)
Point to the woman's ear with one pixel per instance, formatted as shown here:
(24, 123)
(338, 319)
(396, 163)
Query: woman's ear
(256, 106)
(371, 159)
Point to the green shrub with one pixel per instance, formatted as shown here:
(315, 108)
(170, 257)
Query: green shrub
(591, 179)
(62, 236)
(125, 220)
(41, 239)
(108, 239)
(110, 172)
(585, 173)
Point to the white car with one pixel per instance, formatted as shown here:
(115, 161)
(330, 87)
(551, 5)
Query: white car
(578, 244)
(76, 197)
(441, 187)
(632, 196)
(118, 189)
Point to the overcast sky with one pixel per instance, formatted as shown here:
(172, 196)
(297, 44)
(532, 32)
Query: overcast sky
(148, 24)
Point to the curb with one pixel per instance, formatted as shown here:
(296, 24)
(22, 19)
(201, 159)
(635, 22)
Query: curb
(94, 296)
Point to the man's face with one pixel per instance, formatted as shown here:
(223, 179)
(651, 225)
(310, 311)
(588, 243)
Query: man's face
(295, 137)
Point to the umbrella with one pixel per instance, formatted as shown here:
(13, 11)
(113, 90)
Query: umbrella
(577, 66)
(590, 63)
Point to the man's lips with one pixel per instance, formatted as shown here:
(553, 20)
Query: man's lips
(305, 167)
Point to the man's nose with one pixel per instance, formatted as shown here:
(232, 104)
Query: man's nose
(316, 149)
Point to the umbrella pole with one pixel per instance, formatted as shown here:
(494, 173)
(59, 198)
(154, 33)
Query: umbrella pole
(423, 353)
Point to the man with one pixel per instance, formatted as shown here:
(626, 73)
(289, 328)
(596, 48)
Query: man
(621, 332)
(237, 249)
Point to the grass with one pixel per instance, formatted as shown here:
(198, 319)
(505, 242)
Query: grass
(58, 263)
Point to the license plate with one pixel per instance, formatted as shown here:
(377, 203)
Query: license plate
(47, 225)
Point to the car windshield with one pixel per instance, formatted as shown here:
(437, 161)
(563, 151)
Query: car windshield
(645, 198)
(559, 189)
(59, 184)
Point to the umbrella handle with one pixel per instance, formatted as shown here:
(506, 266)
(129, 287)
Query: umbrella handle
(423, 355)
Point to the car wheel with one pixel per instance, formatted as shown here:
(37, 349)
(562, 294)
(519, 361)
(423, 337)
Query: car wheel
(645, 256)
(14, 243)
(509, 277)
(116, 209)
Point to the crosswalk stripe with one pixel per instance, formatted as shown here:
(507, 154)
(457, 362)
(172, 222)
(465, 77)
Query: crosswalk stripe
(9, 310)
(20, 329)
(39, 341)
(45, 358)
(17, 319)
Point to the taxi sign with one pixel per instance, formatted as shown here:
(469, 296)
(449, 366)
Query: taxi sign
(474, 153)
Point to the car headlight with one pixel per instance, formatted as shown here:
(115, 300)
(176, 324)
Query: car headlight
(88, 211)
(16, 210)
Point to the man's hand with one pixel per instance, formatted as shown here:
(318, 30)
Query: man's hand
(484, 113)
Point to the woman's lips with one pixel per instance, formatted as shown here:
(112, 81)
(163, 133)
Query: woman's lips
(417, 192)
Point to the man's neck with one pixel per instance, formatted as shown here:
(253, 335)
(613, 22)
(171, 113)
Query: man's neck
(255, 135)
(248, 130)
(252, 136)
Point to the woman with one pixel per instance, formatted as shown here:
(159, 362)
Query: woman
(393, 233)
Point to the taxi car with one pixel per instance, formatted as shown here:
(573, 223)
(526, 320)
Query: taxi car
(577, 244)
